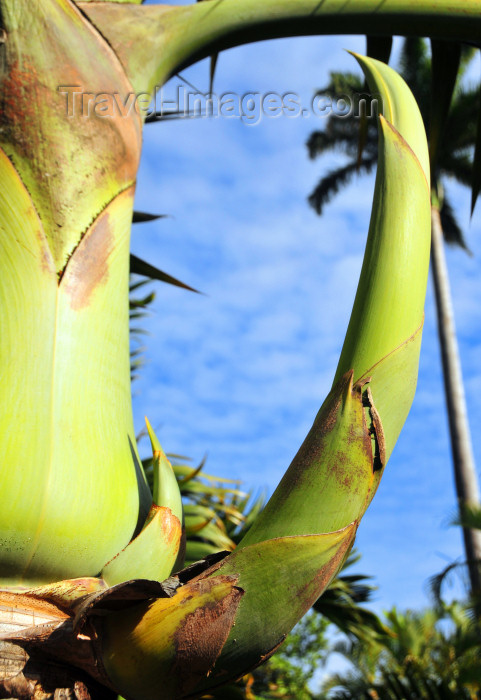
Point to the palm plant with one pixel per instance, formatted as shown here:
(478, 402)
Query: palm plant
(88, 607)
(452, 141)
(342, 604)
(287, 674)
(432, 654)
(470, 518)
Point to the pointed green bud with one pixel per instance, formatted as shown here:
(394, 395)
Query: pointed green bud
(166, 489)
(160, 545)
(152, 554)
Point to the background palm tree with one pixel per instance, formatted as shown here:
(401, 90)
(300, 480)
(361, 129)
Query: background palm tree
(452, 144)
(433, 654)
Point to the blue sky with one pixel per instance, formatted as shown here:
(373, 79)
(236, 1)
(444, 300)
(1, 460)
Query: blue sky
(241, 371)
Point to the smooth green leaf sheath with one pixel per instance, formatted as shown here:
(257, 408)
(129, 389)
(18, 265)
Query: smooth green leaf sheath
(384, 333)
(66, 452)
(72, 488)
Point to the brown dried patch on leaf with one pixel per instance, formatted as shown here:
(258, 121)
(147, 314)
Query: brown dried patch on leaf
(71, 155)
(171, 525)
(89, 265)
(341, 390)
(378, 434)
(375, 431)
(92, 262)
(312, 449)
(340, 466)
(359, 392)
(203, 633)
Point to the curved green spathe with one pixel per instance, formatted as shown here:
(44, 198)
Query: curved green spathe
(334, 476)
(384, 333)
(299, 541)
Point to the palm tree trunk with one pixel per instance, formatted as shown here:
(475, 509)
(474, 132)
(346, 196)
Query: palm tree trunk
(467, 489)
